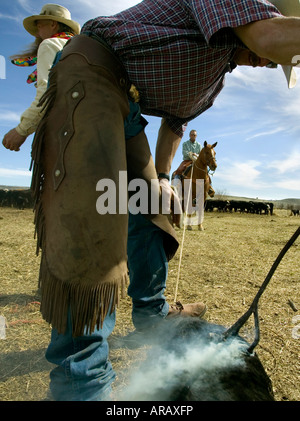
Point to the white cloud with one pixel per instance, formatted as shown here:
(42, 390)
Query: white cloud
(9, 17)
(289, 184)
(6, 172)
(265, 133)
(258, 79)
(254, 178)
(9, 116)
(291, 108)
(26, 5)
(291, 163)
(257, 103)
(241, 174)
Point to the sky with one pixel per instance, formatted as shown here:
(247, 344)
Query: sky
(255, 119)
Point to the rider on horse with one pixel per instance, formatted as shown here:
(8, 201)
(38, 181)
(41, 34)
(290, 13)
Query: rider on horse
(190, 152)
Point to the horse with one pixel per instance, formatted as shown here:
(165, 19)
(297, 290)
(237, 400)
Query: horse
(197, 171)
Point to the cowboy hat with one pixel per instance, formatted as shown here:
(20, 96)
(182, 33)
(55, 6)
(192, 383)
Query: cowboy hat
(288, 8)
(53, 12)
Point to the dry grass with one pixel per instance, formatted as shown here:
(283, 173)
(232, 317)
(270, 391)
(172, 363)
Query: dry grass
(224, 266)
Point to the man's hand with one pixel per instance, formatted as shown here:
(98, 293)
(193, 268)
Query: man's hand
(13, 140)
(193, 156)
(170, 201)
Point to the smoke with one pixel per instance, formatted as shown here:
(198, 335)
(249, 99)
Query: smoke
(194, 360)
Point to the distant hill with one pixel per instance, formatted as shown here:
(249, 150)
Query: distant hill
(13, 188)
(287, 204)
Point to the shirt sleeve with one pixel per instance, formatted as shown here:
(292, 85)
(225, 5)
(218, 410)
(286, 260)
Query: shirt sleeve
(31, 117)
(177, 125)
(213, 15)
(185, 151)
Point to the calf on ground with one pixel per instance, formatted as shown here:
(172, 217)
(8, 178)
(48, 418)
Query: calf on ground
(198, 361)
(193, 362)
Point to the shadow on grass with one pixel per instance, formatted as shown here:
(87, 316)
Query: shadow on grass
(14, 364)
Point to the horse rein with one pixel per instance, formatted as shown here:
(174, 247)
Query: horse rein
(206, 165)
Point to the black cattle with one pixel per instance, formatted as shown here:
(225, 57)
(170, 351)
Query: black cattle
(19, 199)
(220, 205)
(2, 196)
(271, 205)
(5, 198)
(261, 208)
(240, 206)
(22, 199)
(295, 212)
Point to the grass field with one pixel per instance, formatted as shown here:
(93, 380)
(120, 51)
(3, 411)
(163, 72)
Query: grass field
(224, 266)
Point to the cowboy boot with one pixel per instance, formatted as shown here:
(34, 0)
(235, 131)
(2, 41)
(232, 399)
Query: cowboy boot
(188, 310)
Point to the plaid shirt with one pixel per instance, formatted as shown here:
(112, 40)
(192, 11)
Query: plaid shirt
(177, 52)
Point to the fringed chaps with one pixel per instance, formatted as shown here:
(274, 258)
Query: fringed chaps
(80, 141)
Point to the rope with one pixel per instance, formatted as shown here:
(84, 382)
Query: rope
(182, 241)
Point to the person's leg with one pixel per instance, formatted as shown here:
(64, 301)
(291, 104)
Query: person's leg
(151, 244)
(147, 260)
(148, 271)
(83, 371)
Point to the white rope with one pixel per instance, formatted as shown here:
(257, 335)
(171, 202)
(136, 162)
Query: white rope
(182, 240)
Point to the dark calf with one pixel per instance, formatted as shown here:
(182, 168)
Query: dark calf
(199, 361)
(194, 363)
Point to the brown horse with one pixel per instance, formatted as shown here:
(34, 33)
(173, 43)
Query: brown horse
(198, 171)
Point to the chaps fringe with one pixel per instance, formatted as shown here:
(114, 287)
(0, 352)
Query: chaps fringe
(88, 305)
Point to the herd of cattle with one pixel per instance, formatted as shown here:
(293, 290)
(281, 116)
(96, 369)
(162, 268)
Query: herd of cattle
(242, 206)
(19, 199)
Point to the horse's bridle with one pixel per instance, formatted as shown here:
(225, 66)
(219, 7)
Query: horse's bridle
(207, 165)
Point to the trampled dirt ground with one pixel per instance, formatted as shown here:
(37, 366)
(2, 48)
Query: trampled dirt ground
(224, 266)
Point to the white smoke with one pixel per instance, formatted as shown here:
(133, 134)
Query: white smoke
(166, 370)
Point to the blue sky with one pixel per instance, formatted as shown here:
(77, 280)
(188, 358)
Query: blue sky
(255, 119)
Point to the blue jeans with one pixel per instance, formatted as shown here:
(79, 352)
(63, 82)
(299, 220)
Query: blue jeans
(84, 372)
(148, 271)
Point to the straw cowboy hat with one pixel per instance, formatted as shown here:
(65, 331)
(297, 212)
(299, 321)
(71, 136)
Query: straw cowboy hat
(288, 8)
(53, 12)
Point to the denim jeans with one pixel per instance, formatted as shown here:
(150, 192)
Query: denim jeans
(84, 372)
(148, 271)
